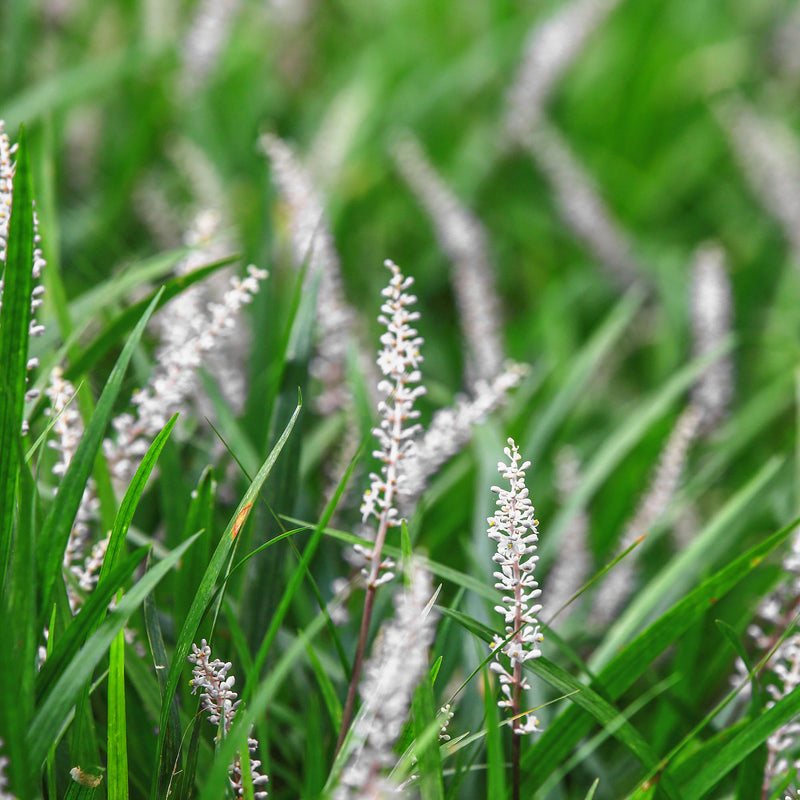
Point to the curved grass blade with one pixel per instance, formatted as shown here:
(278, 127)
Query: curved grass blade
(172, 739)
(592, 789)
(329, 696)
(564, 733)
(163, 772)
(84, 623)
(133, 494)
(587, 699)
(605, 713)
(56, 528)
(52, 715)
(621, 442)
(440, 570)
(683, 569)
(748, 739)
(123, 322)
(495, 761)
(199, 518)
(68, 86)
(299, 572)
(426, 741)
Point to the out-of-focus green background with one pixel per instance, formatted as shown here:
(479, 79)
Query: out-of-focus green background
(144, 112)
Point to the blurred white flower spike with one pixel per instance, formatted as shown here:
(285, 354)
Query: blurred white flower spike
(311, 241)
(581, 205)
(184, 344)
(711, 312)
(768, 153)
(463, 239)
(450, 430)
(205, 42)
(398, 664)
(552, 46)
(515, 531)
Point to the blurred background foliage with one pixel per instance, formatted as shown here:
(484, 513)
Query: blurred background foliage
(111, 93)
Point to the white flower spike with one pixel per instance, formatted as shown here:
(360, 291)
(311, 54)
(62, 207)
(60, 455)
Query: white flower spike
(514, 529)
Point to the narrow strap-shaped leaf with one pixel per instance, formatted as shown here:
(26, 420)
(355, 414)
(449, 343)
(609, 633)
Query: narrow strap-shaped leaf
(266, 575)
(584, 365)
(56, 528)
(117, 776)
(584, 697)
(18, 656)
(86, 621)
(682, 571)
(495, 760)
(186, 779)
(427, 750)
(747, 740)
(204, 594)
(15, 318)
(329, 696)
(563, 734)
(296, 578)
(605, 713)
(123, 322)
(122, 522)
(198, 518)
(172, 740)
(629, 432)
(51, 717)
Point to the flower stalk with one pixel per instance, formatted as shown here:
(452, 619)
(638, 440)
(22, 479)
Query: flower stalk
(399, 361)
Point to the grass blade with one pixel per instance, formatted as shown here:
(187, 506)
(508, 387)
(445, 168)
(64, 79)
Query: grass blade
(117, 777)
(747, 740)
(583, 366)
(683, 569)
(172, 739)
(51, 717)
(205, 592)
(15, 318)
(123, 322)
(57, 526)
(84, 623)
(555, 744)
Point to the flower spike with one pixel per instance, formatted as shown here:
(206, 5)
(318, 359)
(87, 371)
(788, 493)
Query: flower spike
(515, 530)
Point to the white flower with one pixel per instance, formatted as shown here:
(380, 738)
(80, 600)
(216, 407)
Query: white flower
(463, 238)
(514, 529)
(220, 702)
(711, 311)
(449, 431)
(398, 360)
(397, 665)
